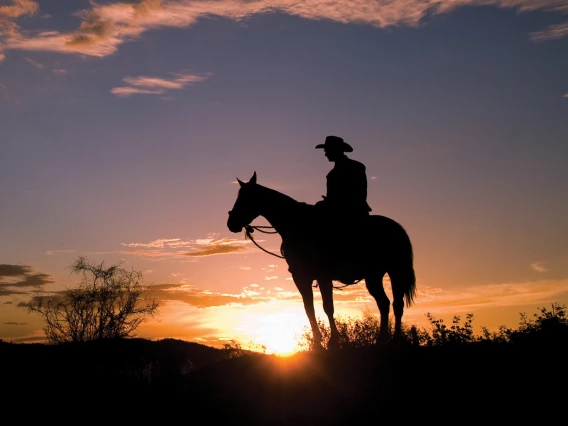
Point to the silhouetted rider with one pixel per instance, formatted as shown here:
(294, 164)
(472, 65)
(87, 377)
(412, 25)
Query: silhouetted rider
(343, 211)
(346, 198)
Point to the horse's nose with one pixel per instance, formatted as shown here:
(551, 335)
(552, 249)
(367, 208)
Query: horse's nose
(233, 227)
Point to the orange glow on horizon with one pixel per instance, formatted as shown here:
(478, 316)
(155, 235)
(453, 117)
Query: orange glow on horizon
(279, 332)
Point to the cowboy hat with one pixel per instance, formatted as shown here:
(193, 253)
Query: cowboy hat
(335, 143)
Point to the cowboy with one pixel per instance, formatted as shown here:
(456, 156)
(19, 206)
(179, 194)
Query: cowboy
(346, 198)
(343, 211)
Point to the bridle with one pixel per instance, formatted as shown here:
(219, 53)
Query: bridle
(249, 229)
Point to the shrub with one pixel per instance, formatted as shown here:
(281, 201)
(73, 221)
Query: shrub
(456, 334)
(547, 326)
(109, 303)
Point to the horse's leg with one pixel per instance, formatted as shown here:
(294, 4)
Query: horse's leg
(326, 290)
(375, 286)
(398, 301)
(304, 285)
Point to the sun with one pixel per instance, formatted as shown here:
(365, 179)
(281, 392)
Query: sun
(278, 344)
(279, 333)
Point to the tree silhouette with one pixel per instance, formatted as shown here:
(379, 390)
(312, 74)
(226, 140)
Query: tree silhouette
(109, 303)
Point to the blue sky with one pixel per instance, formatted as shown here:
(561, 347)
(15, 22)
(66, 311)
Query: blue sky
(123, 128)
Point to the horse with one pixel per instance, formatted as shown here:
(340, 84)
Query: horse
(386, 249)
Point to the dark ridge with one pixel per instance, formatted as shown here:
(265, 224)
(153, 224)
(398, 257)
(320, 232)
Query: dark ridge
(173, 380)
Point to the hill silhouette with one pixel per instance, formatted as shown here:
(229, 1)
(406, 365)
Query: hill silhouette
(143, 380)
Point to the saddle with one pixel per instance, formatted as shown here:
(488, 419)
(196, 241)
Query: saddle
(330, 248)
(343, 251)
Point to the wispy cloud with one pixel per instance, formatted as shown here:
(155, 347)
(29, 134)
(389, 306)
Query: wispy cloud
(216, 246)
(161, 243)
(173, 248)
(8, 14)
(215, 249)
(179, 82)
(539, 267)
(18, 279)
(104, 27)
(204, 298)
(128, 91)
(35, 63)
(168, 247)
(553, 32)
(156, 86)
(430, 299)
(54, 252)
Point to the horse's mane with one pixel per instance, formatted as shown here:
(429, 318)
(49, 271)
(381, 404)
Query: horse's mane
(285, 200)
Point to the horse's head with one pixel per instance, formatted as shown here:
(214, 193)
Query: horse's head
(245, 209)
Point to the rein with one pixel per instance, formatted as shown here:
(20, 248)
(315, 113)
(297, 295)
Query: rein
(249, 229)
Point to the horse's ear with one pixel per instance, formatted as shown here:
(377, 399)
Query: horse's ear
(240, 182)
(253, 178)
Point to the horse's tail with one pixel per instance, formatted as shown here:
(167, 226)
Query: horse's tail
(409, 276)
(401, 259)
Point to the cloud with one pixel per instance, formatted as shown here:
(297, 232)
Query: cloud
(104, 27)
(19, 8)
(177, 83)
(35, 280)
(159, 243)
(128, 91)
(553, 32)
(156, 86)
(216, 249)
(8, 14)
(15, 278)
(54, 252)
(174, 248)
(153, 82)
(170, 247)
(150, 254)
(13, 270)
(539, 267)
(203, 298)
(6, 291)
(35, 63)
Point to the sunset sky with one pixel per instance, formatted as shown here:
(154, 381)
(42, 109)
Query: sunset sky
(124, 126)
